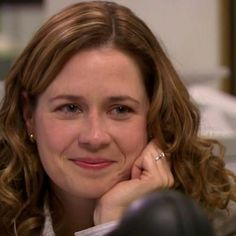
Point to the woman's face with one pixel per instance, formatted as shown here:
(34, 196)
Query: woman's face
(90, 123)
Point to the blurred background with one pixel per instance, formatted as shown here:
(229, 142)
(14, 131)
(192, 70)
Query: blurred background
(198, 35)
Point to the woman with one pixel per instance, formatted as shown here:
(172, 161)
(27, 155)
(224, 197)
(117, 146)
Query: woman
(95, 116)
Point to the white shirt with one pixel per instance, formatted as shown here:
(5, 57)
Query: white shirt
(98, 230)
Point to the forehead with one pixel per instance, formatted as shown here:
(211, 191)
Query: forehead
(101, 68)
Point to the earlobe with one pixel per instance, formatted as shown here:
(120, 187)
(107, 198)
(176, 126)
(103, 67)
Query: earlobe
(27, 113)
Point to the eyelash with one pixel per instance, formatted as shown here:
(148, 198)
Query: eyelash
(70, 108)
(121, 111)
(117, 112)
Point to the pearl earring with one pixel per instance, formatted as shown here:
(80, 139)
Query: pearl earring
(32, 139)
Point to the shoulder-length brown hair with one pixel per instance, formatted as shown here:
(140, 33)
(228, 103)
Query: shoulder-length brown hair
(173, 119)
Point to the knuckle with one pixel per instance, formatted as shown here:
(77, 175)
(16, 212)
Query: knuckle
(171, 181)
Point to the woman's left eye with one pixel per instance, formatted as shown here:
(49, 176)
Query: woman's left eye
(121, 112)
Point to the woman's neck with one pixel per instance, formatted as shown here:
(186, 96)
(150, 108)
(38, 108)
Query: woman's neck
(77, 214)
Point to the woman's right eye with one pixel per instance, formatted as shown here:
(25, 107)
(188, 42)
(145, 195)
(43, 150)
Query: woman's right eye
(69, 109)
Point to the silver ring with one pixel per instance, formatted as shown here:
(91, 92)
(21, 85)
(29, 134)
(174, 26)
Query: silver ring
(159, 156)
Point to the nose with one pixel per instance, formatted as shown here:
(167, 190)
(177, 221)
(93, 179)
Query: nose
(93, 134)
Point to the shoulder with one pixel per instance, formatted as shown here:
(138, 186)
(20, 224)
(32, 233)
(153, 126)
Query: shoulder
(223, 220)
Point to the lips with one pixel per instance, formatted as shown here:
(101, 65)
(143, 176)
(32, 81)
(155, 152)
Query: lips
(93, 163)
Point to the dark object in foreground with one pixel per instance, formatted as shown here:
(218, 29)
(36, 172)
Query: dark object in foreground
(167, 213)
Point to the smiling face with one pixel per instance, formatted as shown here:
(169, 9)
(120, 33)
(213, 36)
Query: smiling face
(90, 123)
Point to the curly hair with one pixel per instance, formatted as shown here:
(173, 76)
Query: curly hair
(173, 119)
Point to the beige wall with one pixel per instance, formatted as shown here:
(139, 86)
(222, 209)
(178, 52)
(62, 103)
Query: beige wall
(191, 30)
(18, 25)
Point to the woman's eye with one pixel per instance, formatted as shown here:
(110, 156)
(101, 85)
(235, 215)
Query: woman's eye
(70, 109)
(121, 112)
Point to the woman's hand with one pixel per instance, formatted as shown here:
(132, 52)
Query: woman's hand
(147, 175)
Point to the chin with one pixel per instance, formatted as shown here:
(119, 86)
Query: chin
(93, 194)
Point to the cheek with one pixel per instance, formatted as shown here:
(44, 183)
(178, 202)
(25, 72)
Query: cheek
(52, 140)
(131, 143)
(52, 137)
(132, 140)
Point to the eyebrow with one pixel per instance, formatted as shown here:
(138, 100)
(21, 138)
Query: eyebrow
(118, 98)
(122, 98)
(66, 97)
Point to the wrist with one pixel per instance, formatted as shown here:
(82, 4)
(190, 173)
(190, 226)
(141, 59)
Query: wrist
(107, 213)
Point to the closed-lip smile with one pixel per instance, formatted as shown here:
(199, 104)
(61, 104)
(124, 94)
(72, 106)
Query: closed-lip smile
(92, 163)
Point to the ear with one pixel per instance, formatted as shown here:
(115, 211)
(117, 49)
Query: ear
(27, 112)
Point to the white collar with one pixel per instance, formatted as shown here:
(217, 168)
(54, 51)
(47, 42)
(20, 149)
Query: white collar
(48, 228)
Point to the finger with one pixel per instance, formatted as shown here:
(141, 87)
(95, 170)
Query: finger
(163, 170)
(160, 168)
(144, 161)
(165, 175)
(136, 170)
(157, 173)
